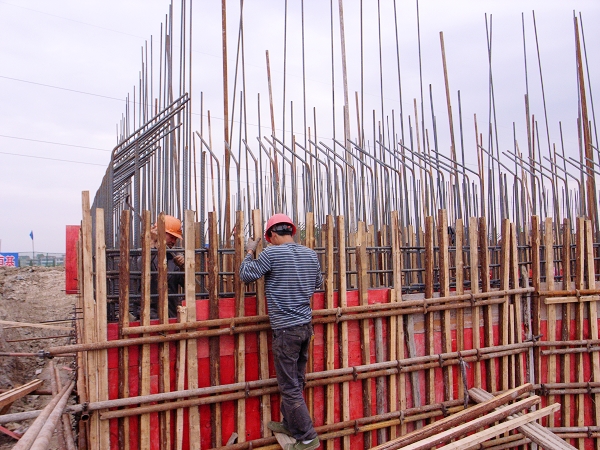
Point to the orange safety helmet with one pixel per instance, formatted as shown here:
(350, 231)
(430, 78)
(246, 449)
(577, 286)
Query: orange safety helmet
(275, 220)
(173, 226)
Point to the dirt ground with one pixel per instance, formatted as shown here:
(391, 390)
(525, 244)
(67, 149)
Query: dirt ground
(32, 295)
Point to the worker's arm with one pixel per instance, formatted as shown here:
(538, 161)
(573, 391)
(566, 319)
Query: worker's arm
(252, 269)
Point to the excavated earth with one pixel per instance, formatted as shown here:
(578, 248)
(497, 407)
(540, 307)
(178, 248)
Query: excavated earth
(32, 295)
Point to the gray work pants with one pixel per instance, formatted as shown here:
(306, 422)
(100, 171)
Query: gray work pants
(290, 354)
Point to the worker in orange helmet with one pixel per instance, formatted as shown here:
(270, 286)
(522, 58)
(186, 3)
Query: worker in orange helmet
(292, 274)
(175, 265)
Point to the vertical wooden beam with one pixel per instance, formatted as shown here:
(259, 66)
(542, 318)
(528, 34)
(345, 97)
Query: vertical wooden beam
(593, 317)
(397, 383)
(261, 310)
(124, 236)
(329, 328)
(343, 333)
(518, 307)
(240, 311)
(82, 369)
(535, 309)
(164, 381)
(567, 360)
(144, 381)
(192, 344)
(213, 313)
(444, 271)
(101, 323)
(504, 313)
(580, 320)
(180, 382)
(474, 276)
(89, 320)
(363, 299)
(488, 315)
(310, 243)
(551, 309)
(429, 316)
(460, 289)
(380, 382)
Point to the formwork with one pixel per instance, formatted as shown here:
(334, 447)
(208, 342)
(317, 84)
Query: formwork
(401, 333)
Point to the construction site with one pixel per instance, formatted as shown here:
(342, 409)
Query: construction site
(459, 307)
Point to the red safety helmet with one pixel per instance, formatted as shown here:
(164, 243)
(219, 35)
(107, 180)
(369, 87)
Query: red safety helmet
(275, 220)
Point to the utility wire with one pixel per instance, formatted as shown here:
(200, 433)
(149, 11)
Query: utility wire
(55, 143)
(53, 159)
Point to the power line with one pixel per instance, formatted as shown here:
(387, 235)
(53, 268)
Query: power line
(54, 143)
(53, 159)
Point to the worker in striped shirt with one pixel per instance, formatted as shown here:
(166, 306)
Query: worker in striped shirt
(292, 274)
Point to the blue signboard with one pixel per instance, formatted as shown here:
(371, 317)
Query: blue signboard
(9, 259)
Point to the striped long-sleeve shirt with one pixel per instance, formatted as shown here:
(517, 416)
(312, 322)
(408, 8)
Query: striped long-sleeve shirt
(292, 274)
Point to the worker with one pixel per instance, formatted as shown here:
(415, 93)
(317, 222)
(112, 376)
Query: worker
(175, 265)
(292, 274)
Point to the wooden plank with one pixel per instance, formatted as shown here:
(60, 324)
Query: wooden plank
(284, 439)
(567, 360)
(261, 310)
(164, 379)
(580, 319)
(329, 335)
(518, 306)
(214, 346)
(343, 332)
(504, 312)
(593, 317)
(380, 356)
(8, 397)
(89, 319)
(444, 273)
(469, 426)
(460, 289)
(192, 344)
(365, 341)
(488, 311)
(101, 324)
(474, 276)
(240, 311)
(551, 309)
(180, 378)
(145, 433)
(124, 279)
(535, 368)
(571, 299)
(497, 430)
(33, 325)
(429, 316)
(310, 243)
(82, 385)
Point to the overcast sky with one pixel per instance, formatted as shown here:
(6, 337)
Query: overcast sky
(67, 67)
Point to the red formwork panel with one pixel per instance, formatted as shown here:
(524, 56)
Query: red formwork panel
(253, 425)
(71, 259)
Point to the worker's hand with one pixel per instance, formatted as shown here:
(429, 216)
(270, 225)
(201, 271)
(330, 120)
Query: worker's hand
(179, 260)
(251, 245)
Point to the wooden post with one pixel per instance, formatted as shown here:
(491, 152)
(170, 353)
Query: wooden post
(164, 382)
(580, 320)
(460, 289)
(518, 307)
(567, 315)
(144, 381)
(329, 334)
(124, 279)
(240, 310)
(310, 243)
(101, 323)
(397, 383)
(551, 308)
(535, 365)
(89, 310)
(261, 310)
(343, 334)
(444, 271)
(214, 351)
(488, 314)
(474, 275)
(192, 344)
(504, 313)
(429, 316)
(180, 382)
(363, 299)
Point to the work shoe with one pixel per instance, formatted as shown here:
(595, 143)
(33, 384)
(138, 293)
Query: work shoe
(279, 427)
(299, 445)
